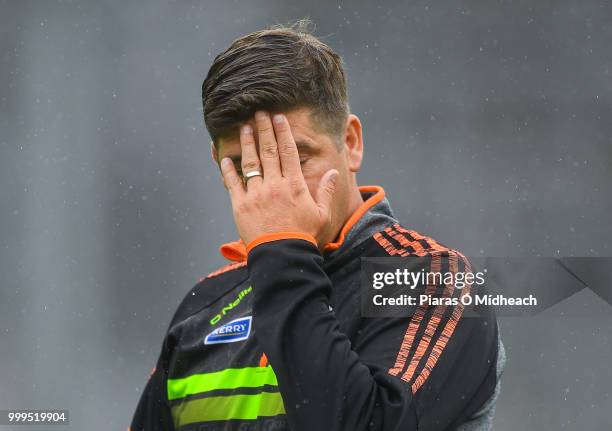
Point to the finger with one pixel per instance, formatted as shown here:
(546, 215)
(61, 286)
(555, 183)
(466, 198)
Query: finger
(232, 180)
(268, 149)
(325, 192)
(250, 158)
(287, 150)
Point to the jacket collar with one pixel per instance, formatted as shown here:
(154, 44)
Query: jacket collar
(374, 213)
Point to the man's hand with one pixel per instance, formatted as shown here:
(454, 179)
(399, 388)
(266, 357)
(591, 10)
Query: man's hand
(279, 201)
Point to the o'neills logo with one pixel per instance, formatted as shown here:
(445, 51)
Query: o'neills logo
(231, 305)
(236, 330)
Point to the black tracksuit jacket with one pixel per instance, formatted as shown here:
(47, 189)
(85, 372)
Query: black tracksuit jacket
(278, 343)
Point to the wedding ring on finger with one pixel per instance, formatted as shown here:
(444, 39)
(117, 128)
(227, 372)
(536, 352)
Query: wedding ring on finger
(251, 174)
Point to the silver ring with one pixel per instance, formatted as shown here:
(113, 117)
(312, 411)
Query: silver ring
(251, 174)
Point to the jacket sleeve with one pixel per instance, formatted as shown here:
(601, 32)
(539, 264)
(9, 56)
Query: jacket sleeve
(384, 381)
(152, 412)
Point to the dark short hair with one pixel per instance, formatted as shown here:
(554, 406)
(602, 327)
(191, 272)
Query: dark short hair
(278, 69)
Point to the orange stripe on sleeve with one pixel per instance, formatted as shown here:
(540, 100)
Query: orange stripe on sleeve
(434, 321)
(413, 327)
(389, 248)
(405, 242)
(446, 334)
(403, 363)
(417, 236)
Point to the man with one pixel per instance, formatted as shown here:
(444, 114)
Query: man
(275, 340)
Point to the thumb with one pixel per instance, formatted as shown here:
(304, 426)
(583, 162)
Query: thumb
(326, 191)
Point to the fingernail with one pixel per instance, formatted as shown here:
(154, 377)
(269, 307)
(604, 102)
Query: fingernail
(225, 161)
(246, 129)
(261, 115)
(278, 118)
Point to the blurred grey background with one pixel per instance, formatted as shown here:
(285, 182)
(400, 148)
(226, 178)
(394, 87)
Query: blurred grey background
(488, 123)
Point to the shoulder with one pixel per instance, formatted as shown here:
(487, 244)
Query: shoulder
(225, 269)
(209, 288)
(397, 240)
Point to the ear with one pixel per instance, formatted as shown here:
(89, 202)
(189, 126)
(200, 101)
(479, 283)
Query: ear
(213, 152)
(353, 143)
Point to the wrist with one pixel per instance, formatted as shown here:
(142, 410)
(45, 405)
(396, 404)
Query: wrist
(279, 236)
